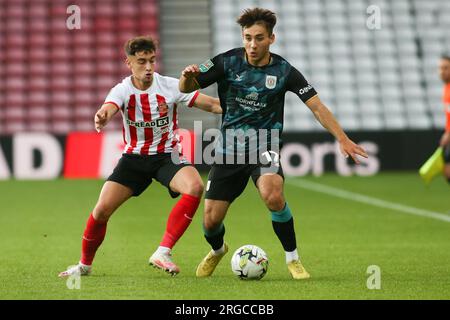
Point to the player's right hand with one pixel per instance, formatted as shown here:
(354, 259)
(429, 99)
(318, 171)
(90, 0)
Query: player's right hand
(191, 71)
(100, 120)
(349, 148)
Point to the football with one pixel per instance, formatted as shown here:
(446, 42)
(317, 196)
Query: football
(249, 262)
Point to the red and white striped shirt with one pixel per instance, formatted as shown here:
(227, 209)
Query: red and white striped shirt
(150, 116)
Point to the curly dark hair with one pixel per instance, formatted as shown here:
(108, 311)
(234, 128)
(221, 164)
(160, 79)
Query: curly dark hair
(249, 17)
(138, 44)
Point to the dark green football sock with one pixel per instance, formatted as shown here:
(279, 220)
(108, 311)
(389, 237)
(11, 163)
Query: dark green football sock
(283, 225)
(215, 236)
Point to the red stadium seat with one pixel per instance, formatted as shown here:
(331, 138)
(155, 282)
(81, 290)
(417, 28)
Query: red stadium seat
(83, 82)
(105, 10)
(15, 39)
(38, 68)
(40, 83)
(13, 126)
(15, 10)
(58, 9)
(147, 9)
(15, 25)
(104, 39)
(37, 10)
(83, 39)
(104, 24)
(84, 53)
(61, 53)
(14, 111)
(39, 125)
(128, 9)
(61, 97)
(106, 53)
(38, 112)
(61, 112)
(15, 54)
(40, 39)
(58, 126)
(61, 69)
(54, 79)
(40, 54)
(107, 67)
(38, 98)
(83, 100)
(126, 24)
(60, 39)
(106, 82)
(148, 25)
(15, 85)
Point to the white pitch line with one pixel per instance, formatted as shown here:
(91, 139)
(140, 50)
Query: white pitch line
(348, 195)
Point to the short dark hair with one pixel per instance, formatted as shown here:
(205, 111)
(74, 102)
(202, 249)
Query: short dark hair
(249, 17)
(445, 56)
(138, 44)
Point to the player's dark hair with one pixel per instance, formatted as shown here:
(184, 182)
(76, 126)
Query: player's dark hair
(138, 44)
(249, 17)
(445, 57)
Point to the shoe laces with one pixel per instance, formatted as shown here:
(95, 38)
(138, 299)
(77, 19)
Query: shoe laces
(298, 266)
(167, 257)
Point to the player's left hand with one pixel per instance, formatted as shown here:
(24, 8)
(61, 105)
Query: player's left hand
(349, 148)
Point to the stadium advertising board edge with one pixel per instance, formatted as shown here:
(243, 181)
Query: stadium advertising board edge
(44, 156)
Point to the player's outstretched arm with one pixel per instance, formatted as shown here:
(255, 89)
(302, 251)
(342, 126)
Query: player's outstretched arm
(207, 103)
(329, 122)
(103, 115)
(188, 83)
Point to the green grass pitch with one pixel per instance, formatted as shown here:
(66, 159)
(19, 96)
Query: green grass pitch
(42, 222)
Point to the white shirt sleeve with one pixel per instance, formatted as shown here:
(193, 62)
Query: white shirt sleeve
(116, 96)
(185, 99)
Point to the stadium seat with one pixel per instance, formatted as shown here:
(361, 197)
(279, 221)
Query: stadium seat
(39, 126)
(348, 107)
(349, 122)
(13, 126)
(395, 122)
(380, 67)
(64, 66)
(372, 122)
(419, 121)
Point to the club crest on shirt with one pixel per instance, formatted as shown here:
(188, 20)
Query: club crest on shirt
(271, 82)
(162, 107)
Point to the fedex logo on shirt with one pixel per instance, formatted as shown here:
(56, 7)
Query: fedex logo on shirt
(161, 122)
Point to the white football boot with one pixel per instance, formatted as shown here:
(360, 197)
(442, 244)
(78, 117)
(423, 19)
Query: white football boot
(79, 269)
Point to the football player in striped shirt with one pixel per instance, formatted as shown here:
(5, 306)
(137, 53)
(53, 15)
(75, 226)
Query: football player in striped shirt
(148, 103)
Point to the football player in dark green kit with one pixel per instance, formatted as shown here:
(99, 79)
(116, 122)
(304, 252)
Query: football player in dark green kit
(252, 83)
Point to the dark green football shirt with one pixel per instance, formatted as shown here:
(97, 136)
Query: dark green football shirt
(252, 98)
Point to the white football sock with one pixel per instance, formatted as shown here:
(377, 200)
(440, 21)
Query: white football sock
(163, 250)
(292, 256)
(219, 251)
(83, 265)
